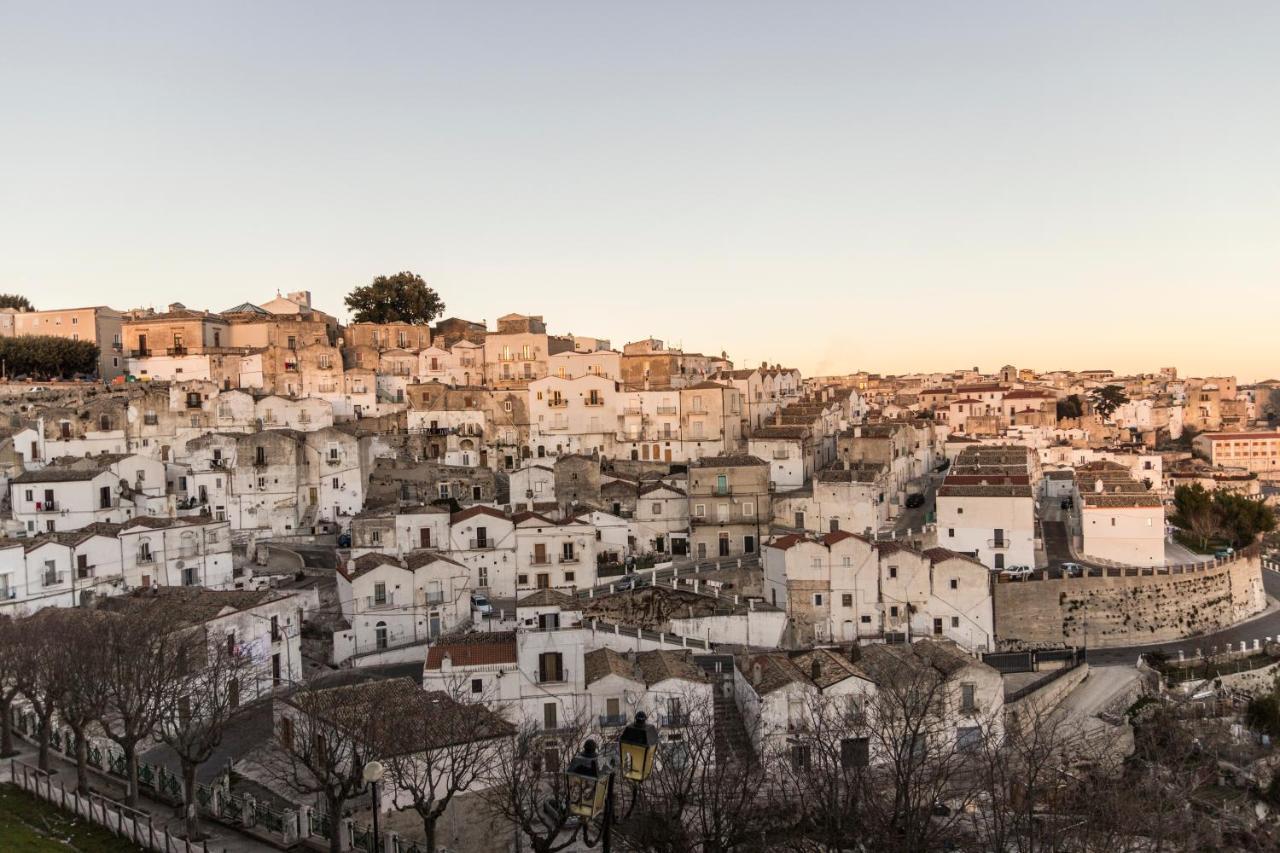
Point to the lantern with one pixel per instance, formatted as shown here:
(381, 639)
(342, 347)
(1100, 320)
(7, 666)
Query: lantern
(588, 782)
(638, 746)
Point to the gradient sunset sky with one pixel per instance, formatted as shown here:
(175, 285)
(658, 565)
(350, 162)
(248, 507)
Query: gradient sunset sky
(834, 186)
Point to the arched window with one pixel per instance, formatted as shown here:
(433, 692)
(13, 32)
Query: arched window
(380, 635)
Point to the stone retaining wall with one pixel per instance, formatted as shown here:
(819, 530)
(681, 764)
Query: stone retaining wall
(1149, 606)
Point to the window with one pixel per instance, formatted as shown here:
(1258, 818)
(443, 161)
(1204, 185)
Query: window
(968, 738)
(866, 620)
(817, 599)
(522, 580)
(800, 755)
(893, 611)
(937, 626)
(968, 701)
(550, 667)
(748, 510)
(951, 533)
(549, 720)
(144, 551)
(893, 571)
(477, 685)
(443, 490)
(380, 635)
(955, 584)
(379, 593)
(699, 510)
(855, 752)
(846, 599)
(955, 621)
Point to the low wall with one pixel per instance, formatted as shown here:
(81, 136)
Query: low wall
(1128, 608)
(1025, 712)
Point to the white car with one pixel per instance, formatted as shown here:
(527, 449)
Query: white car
(480, 604)
(1072, 570)
(1017, 573)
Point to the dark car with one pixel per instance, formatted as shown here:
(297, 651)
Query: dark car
(344, 540)
(915, 500)
(631, 582)
(1068, 503)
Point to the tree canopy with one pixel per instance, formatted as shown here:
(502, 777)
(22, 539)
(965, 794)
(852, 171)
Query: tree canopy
(1221, 515)
(48, 357)
(15, 300)
(1070, 407)
(1107, 399)
(400, 298)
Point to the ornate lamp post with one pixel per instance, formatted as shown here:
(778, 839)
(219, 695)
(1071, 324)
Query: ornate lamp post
(372, 775)
(590, 776)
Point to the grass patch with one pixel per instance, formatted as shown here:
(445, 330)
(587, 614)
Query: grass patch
(31, 825)
(1192, 543)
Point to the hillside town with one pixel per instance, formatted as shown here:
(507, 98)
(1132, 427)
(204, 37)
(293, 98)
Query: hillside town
(406, 582)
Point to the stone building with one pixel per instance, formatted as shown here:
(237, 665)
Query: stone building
(729, 505)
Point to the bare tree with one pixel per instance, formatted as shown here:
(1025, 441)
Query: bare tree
(327, 735)
(139, 645)
(703, 794)
(202, 701)
(435, 747)
(819, 775)
(527, 784)
(10, 655)
(34, 671)
(76, 677)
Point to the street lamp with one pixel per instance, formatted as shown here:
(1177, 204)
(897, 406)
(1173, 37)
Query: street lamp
(372, 775)
(590, 776)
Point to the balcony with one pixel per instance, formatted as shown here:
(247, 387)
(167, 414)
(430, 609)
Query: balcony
(540, 561)
(8, 593)
(608, 721)
(674, 721)
(998, 544)
(480, 544)
(569, 558)
(590, 402)
(54, 578)
(433, 598)
(668, 410)
(46, 506)
(139, 353)
(378, 602)
(558, 403)
(632, 410)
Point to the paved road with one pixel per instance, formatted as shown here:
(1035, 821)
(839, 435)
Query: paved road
(689, 567)
(1258, 628)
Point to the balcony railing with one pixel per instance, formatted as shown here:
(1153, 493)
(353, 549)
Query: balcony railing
(998, 543)
(480, 544)
(668, 410)
(54, 578)
(672, 721)
(46, 506)
(434, 597)
(139, 353)
(569, 558)
(612, 720)
(631, 410)
(375, 602)
(558, 403)
(540, 561)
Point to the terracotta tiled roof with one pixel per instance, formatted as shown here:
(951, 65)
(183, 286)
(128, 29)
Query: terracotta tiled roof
(478, 649)
(472, 512)
(549, 598)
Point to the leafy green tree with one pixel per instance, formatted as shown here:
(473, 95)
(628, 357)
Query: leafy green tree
(15, 300)
(48, 357)
(1107, 399)
(1241, 518)
(1194, 512)
(400, 298)
(1070, 407)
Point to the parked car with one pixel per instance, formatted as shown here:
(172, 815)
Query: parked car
(1068, 503)
(1017, 573)
(1225, 552)
(915, 500)
(344, 540)
(1072, 570)
(633, 581)
(480, 604)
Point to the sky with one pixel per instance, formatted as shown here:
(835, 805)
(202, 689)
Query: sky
(832, 186)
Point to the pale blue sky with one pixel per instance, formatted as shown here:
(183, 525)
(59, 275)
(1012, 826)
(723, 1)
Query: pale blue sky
(890, 186)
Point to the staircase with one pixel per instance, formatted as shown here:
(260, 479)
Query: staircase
(732, 741)
(308, 520)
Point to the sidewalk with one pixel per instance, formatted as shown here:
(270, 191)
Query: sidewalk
(221, 839)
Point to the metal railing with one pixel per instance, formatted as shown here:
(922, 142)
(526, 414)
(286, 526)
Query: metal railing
(480, 544)
(998, 543)
(54, 578)
(612, 720)
(374, 602)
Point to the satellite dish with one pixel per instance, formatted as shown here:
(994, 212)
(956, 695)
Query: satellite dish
(179, 564)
